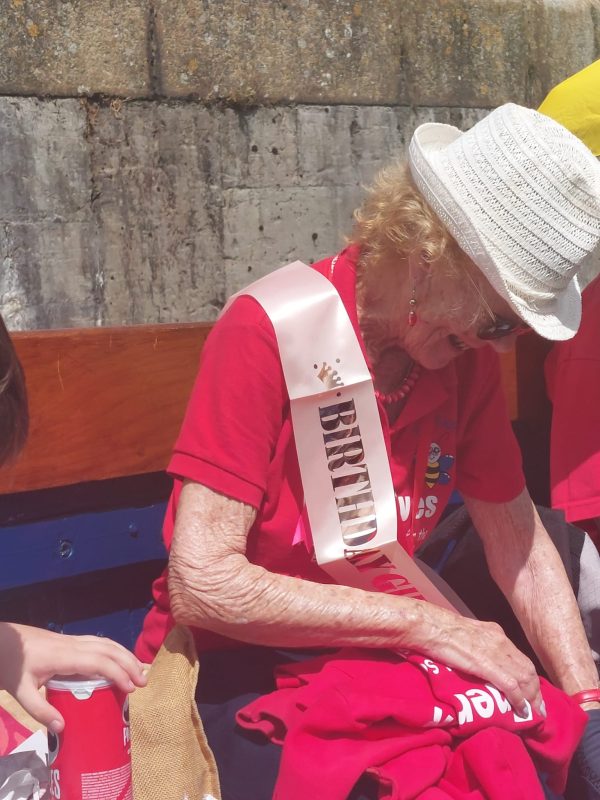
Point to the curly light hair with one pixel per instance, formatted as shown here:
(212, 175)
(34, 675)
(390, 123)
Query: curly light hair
(394, 221)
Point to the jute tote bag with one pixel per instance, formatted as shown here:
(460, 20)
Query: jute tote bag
(170, 755)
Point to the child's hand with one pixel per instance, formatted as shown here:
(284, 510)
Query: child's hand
(29, 657)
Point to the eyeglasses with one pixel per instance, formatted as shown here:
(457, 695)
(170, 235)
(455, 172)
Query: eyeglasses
(501, 327)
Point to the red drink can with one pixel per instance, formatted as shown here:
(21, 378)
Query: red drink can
(91, 758)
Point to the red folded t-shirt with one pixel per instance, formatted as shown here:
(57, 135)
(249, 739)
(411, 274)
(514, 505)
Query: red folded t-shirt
(420, 729)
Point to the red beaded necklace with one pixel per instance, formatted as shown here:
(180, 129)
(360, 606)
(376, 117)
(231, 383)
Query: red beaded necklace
(411, 377)
(405, 388)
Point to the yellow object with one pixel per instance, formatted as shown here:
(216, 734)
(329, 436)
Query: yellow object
(575, 103)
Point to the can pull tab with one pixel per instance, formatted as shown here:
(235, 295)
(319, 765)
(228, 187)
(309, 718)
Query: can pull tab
(82, 693)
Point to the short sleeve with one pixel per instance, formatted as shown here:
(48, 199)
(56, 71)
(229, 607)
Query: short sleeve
(235, 411)
(489, 459)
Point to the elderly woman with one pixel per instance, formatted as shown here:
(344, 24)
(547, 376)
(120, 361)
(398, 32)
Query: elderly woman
(478, 238)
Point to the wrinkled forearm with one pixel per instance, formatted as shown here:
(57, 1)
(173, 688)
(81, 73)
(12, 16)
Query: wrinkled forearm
(217, 588)
(212, 585)
(248, 603)
(527, 568)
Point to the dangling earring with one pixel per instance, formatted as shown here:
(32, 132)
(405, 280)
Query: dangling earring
(412, 314)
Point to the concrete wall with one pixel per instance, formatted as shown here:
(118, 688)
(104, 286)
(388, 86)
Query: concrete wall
(156, 156)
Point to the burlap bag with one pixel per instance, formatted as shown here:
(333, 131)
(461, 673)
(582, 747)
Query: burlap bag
(9, 704)
(171, 757)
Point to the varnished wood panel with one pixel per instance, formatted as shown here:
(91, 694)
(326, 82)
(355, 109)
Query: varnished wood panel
(104, 402)
(108, 402)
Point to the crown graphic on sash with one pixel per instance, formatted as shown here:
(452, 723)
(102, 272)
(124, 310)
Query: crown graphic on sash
(329, 376)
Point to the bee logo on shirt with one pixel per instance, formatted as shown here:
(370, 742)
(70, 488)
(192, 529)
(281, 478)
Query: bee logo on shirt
(438, 466)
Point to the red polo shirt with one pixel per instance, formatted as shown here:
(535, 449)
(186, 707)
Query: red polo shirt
(573, 380)
(237, 439)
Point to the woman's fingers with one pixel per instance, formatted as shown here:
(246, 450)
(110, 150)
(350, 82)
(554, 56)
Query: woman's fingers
(506, 667)
(521, 687)
(482, 649)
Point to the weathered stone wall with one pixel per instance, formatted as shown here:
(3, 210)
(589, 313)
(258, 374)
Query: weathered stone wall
(156, 156)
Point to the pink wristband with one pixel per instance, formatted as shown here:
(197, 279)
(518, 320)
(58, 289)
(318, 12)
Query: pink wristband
(587, 696)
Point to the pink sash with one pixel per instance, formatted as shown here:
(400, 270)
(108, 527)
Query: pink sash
(346, 476)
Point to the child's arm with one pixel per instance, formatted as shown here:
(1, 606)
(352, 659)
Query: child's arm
(31, 656)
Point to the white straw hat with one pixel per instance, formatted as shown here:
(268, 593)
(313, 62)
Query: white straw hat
(521, 196)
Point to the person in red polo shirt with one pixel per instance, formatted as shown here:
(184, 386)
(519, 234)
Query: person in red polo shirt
(572, 366)
(480, 235)
(572, 376)
(573, 384)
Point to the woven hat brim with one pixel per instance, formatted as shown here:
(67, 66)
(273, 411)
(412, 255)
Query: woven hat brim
(560, 318)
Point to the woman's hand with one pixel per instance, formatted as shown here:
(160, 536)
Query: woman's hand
(528, 569)
(481, 649)
(29, 657)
